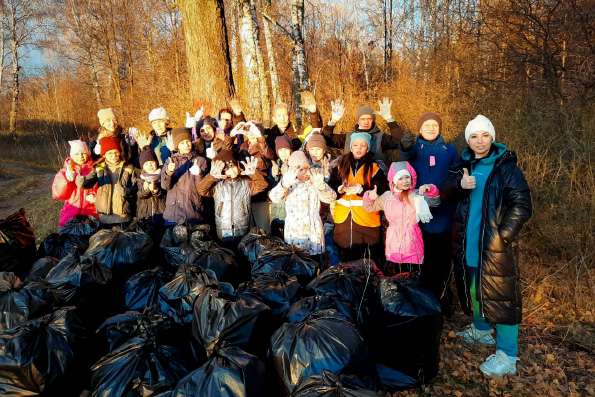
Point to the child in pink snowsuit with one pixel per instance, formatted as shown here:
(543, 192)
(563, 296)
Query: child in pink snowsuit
(77, 201)
(404, 208)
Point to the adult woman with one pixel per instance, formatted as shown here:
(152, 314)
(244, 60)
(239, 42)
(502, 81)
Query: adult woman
(495, 202)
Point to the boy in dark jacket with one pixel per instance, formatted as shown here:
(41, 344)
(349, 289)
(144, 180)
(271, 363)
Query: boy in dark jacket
(150, 202)
(116, 185)
(495, 203)
(232, 190)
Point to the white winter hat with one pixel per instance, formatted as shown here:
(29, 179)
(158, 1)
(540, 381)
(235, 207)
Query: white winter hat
(158, 114)
(480, 123)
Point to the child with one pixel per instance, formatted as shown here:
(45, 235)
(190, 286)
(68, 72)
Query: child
(151, 197)
(357, 232)
(495, 203)
(180, 176)
(116, 185)
(403, 208)
(278, 168)
(302, 190)
(160, 136)
(77, 201)
(109, 127)
(432, 157)
(231, 191)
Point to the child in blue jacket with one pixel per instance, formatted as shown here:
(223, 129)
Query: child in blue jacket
(431, 157)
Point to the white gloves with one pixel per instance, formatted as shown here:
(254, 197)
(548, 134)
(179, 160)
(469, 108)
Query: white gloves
(289, 178)
(385, 109)
(422, 210)
(195, 169)
(337, 111)
(250, 166)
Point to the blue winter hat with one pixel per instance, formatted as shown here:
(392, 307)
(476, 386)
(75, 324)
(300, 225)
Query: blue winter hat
(360, 135)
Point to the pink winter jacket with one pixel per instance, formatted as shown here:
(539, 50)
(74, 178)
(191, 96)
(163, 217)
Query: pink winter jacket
(74, 197)
(404, 242)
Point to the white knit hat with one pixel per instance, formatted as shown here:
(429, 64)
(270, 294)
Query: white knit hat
(105, 114)
(158, 114)
(480, 123)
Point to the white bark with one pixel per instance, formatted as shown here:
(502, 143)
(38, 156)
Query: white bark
(272, 63)
(300, 68)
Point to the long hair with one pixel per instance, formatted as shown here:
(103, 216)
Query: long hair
(344, 168)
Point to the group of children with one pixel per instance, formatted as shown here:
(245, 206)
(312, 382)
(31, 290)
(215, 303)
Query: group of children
(416, 217)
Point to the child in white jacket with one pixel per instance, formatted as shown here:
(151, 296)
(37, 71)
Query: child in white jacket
(302, 190)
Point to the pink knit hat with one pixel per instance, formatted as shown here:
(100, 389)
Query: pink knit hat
(78, 146)
(297, 159)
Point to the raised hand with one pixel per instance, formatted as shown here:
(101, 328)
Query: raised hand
(337, 110)
(250, 166)
(190, 121)
(317, 178)
(235, 105)
(308, 101)
(254, 131)
(217, 167)
(275, 169)
(238, 129)
(289, 178)
(468, 181)
(143, 140)
(423, 189)
(373, 194)
(385, 109)
(199, 113)
(195, 169)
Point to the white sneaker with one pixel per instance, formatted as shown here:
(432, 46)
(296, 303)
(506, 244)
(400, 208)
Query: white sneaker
(499, 364)
(473, 335)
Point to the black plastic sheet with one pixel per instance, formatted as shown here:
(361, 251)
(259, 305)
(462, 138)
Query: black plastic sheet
(277, 290)
(40, 354)
(223, 317)
(323, 341)
(229, 372)
(176, 298)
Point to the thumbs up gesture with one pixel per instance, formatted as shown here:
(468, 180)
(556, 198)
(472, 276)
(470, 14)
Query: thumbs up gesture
(468, 181)
(373, 194)
(171, 167)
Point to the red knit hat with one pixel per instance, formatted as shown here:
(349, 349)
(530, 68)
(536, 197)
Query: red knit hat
(110, 143)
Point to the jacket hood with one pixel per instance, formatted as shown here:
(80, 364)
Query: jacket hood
(395, 167)
(438, 141)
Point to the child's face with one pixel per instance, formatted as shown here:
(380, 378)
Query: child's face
(403, 183)
(232, 171)
(316, 153)
(110, 124)
(359, 148)
(80, 158)
(159, 126)
(303, 173)
(480, 143)
(185, 146)
(150, 166)
(112, 156)
(207, 133)
(429, 130)
(284, 154)
(225, 120)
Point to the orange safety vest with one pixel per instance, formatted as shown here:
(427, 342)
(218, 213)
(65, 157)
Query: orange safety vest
(353, 203)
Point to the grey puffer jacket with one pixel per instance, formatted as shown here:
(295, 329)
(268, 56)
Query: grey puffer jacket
(183, 203)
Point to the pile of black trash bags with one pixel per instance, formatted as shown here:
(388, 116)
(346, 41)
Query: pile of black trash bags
(116, 313)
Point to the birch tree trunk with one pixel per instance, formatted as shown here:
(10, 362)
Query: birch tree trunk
(14, 48)
(207, 51)
(300, 68)
(268, 37)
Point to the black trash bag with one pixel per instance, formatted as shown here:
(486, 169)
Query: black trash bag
(123, 252)
(41, 355)
(223, 317)
(329, 384)
(220, 260)
(229, 372)
(75, 277)
(81, 226)
(323, 341)
(120, 328)
(181, 241)
(411, 318)
(294, 263)
(140, 367)
(277, 290)
(257, 242)
(353, 282)
(301, 309)
(18, 302)
(392, 380)
(142, 289)
(60, 245)
(17, 244)
(177, 296)
(41, 268)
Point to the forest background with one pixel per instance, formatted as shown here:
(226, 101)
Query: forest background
(529, 65)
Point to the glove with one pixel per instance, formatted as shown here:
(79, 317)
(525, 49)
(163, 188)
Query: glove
(217, 169)
(195, 169)
(238, 129)
(211, 153)
(422, 210)
(354, 189)
(90, 198)
(190, 121)
(317, 178)
(97, 149)
(385, 111)
(254, 131)
(69, 172)
(289, 178)
(337, 111)
(250, 166)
